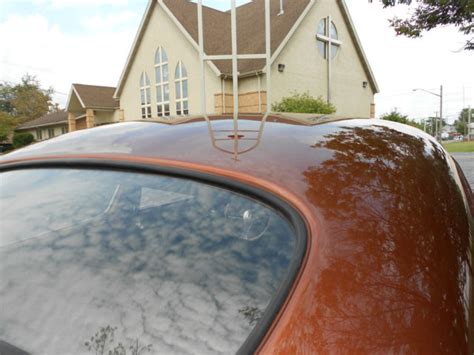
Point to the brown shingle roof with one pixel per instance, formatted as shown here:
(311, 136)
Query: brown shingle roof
(46, 120)
(250, 29)
(93, 96)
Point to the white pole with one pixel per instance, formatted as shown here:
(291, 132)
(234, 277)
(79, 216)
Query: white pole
(329, 53)
(259, 82)
(469, 130)
(235, 72)
(269, 54)
(223, 95)
(201, 58)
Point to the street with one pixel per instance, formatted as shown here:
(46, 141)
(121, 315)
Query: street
(466, 160)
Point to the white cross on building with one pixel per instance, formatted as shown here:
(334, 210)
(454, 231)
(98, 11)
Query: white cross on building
(328, 45)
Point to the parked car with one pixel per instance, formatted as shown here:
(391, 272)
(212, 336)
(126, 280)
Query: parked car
(277, 236)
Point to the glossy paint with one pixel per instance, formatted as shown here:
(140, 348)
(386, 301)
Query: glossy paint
(387, 268)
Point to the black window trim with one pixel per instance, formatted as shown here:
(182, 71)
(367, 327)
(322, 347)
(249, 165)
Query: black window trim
(292, 216)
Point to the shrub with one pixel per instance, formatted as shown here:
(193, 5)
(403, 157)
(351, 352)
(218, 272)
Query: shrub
(22, 140)
(303, 103)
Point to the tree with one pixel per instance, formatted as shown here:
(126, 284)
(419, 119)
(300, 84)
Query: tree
(22, 140)
(7, 124)
(430, 14)
(396, 116)
(303, 103)
(462, 122)
(25, 101)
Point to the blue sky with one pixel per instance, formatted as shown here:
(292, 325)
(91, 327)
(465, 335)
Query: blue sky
(87, 41)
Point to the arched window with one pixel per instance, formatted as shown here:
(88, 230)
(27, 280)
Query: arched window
(145, 95)
(162, 83)
(328, 38)
(181, 82)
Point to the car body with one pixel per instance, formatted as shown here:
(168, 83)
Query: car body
(380, 221)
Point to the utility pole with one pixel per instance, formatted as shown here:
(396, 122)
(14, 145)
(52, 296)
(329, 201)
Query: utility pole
(438, 125)
(469, 124)
(440, 113)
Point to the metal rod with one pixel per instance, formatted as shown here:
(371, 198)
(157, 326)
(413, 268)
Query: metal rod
(268, 46)
(235, 73)
(329, 53)
(201, 57)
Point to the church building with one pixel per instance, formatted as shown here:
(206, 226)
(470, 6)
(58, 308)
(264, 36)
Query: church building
(314, 49)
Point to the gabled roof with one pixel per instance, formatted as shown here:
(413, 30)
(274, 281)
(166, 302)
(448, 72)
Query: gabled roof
(93, 96)
(250, 29)
(46, 120)
(250, 32)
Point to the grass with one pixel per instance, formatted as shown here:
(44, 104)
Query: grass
(457, 147)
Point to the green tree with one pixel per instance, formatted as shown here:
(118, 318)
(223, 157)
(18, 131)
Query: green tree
(26, 100)
(396, 116)
(303, 103)
(461, 123)
(430, 14)
(22, 140)
(7, 124)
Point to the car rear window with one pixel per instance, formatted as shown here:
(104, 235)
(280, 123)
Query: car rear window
(93, 261)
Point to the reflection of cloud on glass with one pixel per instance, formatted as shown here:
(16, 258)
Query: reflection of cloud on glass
(176, 276)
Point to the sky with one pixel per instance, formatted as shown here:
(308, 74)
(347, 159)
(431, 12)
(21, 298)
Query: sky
(88, 41)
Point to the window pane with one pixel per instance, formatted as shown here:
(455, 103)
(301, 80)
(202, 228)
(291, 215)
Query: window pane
(184, 72)
(186, 112)
(158, 94)
(160, 110)
(178, 90)
(178, 107)
(147, 80)
(148, 112)
(157, 56)
(158, 75)
(185, 105)
(142, 80)
(137, 253)
(143, 112)
(177, 73)
(185, 88)
(148, 96)
(164, 56)
(333, 31)
(166, 89)
(167, 109)
(334, 50)
(322, 27)
(322, 48)
(165, 72)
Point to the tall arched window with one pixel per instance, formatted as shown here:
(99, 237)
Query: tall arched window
(145, 95)
(181, 82)
(162, 83)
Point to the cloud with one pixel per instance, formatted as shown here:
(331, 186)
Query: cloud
(81, 3)
(33, 44)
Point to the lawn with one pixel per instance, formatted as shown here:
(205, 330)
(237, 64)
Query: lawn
(456, 147)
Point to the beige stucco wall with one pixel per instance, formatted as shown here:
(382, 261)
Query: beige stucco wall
(161, 31)
(306, 69)
(104, 117)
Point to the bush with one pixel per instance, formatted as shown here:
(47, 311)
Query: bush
(22, 140)
(303, 103)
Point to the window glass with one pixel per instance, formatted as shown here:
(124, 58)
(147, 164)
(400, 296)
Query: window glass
(165, 72)
(185, 89)
(134, 259)
(322, 49)
(322, 27)
(333, 31)
(166, 90)
(334, 50)
(184, 72)
(178, 90)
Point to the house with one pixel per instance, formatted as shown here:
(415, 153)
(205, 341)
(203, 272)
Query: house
(314, 49)
(47, 126)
